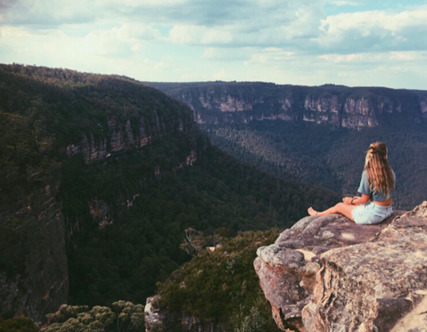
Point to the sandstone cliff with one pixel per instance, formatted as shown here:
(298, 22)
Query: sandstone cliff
(55, 123)
(328, 274)
(339, 106)
(120, 135)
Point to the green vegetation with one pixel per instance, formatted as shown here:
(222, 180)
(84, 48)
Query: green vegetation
(122, 316)
(330, 157)
(324, 155)
(18, 324)
(143, 192)
(126, 258)
(70, 150)
(221, 286)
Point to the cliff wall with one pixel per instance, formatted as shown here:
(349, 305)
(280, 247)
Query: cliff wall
(55, 125)
(328, 274)
(339, 106)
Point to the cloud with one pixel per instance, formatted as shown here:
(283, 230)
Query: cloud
(44, 14)
(114, 42)
(297, 42)
(220, 21)
(221, 75)
(292, 25)
(191, 34)
(226, 53)
(252, 23)
(373, 31)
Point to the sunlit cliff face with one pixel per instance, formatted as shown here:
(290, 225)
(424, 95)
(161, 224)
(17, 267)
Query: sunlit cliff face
(352, 108)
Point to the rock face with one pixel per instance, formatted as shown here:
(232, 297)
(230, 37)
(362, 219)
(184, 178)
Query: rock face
(65, 114)
(328, 274)
(338, 106)
(122, 135)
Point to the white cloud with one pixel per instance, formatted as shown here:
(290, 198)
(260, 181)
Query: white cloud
(191, 34)
(374, 31)
(106, 43)
(284, 41)
(226, 53)
(272, 56)
(221, 75)
(251, 22)
(344, 3)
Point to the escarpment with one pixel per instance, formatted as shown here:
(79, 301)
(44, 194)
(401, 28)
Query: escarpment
(328, 274)
(57, 128)
(337, 106)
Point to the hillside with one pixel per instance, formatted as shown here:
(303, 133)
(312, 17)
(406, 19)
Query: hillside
(322, 274)
(316, 135)
(100, 177)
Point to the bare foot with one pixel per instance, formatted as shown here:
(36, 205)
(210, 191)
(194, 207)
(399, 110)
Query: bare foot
(312, 212)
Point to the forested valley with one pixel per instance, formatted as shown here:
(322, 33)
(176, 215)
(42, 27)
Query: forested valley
(329, 157)
(318, 134)
(102, 181)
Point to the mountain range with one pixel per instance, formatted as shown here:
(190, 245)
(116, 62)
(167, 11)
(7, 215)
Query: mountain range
(317, 135)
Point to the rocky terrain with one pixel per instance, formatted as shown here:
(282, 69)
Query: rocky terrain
(334, 105)
(328, 274)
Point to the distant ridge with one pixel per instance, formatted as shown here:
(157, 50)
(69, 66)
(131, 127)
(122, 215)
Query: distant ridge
(315, 134)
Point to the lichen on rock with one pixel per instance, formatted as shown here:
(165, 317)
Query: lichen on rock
(353, 277)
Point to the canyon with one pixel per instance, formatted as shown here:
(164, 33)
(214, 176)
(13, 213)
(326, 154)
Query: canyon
(333, 105)
(317, 134)
(85, 158)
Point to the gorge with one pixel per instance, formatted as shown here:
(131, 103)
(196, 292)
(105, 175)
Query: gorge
(333, 105)
(316, 135)
(102, 177)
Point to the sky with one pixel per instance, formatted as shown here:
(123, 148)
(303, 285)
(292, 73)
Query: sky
(299, 42)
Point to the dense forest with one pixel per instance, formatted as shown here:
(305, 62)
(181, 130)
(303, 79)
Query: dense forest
(220, 288)
(115, 174)
(329, 157)
(317, 135)
(216, 196)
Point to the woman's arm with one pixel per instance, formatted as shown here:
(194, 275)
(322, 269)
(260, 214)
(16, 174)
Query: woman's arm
(356, 200)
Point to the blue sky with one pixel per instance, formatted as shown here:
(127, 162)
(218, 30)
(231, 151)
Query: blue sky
(301, 42)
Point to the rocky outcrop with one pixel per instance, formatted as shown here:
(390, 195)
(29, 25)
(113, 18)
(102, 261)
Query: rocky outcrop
(328, 274)
(122, 135)
(338, 106)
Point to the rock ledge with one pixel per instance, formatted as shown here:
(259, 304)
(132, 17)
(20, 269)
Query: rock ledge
(328, 274)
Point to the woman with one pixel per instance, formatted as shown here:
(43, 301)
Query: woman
(376, 186)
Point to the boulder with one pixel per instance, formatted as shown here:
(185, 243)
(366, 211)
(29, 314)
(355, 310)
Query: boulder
(329, 274)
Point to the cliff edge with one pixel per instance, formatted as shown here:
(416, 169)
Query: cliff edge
(328, 274)
(334, 105)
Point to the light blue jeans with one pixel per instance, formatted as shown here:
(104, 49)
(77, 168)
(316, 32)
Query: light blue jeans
(371, 213)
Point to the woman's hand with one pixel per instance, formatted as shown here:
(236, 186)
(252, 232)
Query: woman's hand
(347, 200)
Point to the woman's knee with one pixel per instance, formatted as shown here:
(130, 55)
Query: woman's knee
(339, 207)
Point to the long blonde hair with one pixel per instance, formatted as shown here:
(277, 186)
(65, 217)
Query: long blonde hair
(380, 174)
